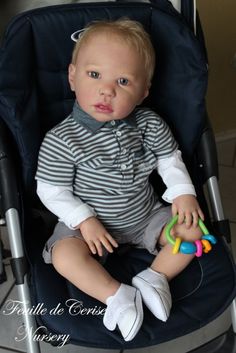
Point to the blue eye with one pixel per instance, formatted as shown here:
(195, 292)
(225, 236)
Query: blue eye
(123, 81)
(94, 74)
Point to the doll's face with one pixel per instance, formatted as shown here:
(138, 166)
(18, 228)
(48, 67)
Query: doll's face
(108, 78)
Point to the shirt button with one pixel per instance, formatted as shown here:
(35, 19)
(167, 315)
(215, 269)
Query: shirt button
(118, 133)
(123, 166)
(113, 122)
(124, 151)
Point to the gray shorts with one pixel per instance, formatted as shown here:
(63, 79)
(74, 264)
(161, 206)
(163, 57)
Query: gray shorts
(145, 235)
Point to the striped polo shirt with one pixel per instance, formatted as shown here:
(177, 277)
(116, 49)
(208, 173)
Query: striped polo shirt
(108, 164)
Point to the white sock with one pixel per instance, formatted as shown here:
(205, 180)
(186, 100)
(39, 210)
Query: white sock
(124, 309)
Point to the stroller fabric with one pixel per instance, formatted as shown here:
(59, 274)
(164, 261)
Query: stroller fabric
(35, 95)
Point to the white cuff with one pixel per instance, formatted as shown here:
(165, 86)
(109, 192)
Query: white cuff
(61, 201)
(79, 214)
(181, 189)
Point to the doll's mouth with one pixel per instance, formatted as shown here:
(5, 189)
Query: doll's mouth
(103, 108)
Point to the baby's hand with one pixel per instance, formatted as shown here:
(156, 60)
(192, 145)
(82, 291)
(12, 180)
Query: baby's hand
(96, 236)
(188, 210)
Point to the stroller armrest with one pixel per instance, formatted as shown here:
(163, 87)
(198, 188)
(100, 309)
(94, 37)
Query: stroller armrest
(207, 155)
(9, 193)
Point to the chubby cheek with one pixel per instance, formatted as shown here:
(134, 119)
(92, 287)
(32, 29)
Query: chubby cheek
(83, 95)
(123, 109)
(83, 101)
(127, 105)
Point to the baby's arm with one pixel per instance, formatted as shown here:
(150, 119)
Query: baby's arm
(56, 163)
(180, 190)
(76, 214)
(61, 201)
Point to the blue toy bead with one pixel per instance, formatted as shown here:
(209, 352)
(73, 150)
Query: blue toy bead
(187, 248)
(210, 237)
(196, 247)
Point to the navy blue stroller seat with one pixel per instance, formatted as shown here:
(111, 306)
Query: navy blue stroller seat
(34, 96)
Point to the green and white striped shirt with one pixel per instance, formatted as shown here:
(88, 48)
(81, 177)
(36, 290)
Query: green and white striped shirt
(103, 169)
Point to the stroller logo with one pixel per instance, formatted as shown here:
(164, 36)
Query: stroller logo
(72, 306)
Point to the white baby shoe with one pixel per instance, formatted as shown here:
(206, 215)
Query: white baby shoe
(155, 292)
(124, 310)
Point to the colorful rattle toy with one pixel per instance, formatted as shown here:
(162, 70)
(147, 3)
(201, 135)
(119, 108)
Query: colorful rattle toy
(186, 247)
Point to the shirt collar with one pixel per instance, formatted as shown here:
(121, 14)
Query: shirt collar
(89, 123)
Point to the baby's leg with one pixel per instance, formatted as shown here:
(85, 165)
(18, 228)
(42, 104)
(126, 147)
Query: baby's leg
(172, 264)
(153, 282)
(72, 258)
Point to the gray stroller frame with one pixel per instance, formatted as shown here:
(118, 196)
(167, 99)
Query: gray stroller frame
(10, 209)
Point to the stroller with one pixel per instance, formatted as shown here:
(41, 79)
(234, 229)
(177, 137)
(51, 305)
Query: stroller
(35, 96)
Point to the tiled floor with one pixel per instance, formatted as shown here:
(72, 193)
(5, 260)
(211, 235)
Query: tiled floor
(9, 338)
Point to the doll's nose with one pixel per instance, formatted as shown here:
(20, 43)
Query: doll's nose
(107, 90)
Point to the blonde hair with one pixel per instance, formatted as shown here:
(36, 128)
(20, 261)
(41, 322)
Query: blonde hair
(131, 32)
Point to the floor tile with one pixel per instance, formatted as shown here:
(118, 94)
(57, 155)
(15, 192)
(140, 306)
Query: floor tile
(226, 152)
(10, 324)
(4, 237)
(227, 186)
(233, 238)
(5, 287)
(3, 350)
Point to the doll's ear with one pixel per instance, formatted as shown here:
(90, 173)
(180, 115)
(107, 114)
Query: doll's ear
(144, 95)
(71, 76)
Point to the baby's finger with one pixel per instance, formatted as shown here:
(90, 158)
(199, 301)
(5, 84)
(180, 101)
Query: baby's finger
(107, 244)
(111, 240)
(188, 219)
(195, 218)
(201, 214)
(174, 210)
(92, 247)
(181, 217)
(98, 245)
